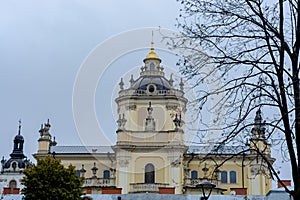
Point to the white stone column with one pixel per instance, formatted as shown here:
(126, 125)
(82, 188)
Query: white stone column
(123, 173)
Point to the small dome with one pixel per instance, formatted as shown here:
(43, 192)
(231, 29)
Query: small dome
(19, 138)
(152, 55)
(160, 82)
(10, 163)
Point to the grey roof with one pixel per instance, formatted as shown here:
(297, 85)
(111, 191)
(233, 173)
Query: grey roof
(81, 149)
(161, 83)
(216, 149)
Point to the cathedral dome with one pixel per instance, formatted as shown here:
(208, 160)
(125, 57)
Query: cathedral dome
(160, 82)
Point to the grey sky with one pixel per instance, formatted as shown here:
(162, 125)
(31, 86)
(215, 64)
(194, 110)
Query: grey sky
(43, 44)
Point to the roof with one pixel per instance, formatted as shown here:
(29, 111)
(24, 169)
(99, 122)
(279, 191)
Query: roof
(216, 149)
(81, 149)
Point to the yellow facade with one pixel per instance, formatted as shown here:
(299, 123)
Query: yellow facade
(150, 151)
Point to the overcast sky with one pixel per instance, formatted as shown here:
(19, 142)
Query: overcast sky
(44, 43)
(42, 46)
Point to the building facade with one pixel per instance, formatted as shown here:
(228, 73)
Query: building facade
(150, 155)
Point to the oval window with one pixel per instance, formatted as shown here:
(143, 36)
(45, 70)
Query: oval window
(151, 88)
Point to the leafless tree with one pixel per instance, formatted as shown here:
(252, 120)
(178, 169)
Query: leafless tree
(252, 50)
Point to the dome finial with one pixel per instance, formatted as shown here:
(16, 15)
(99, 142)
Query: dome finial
(19, 133)
(152, 54)
(152, 42)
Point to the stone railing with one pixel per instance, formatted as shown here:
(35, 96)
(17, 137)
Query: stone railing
(146, 187)
(99, 182)
(192, 182)
(130, 92)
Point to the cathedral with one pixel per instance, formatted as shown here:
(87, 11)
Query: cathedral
(150, 154)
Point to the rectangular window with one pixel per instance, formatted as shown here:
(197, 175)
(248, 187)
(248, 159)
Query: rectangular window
(194, 174)
(106, 174)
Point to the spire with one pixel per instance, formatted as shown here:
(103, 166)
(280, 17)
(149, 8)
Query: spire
(258, 118)
(152, 54)
(258, 130)
(19, 132)
(258, 138)
(18, 145)
(152, 42)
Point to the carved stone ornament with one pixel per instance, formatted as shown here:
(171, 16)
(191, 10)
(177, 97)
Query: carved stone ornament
(131, 107)
(171, 107)
(123, 163)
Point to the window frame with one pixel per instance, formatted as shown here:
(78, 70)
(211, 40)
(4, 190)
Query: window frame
(224, 177)
(149, 174)
(193, 172)
(235, 177)
(106, 174)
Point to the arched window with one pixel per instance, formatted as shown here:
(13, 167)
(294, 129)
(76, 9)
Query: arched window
(194, 174)
(14, 166)
(149, 173)
(152, 66)
(232, 176)
(224, 177)
(106, 174)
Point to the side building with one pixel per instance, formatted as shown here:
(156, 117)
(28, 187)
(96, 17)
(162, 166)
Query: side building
(233, 169)
(12, 169)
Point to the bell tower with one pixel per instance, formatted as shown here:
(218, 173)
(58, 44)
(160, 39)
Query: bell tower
(259, 174)
(258, 140)
(150, 134)
(45, 141)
